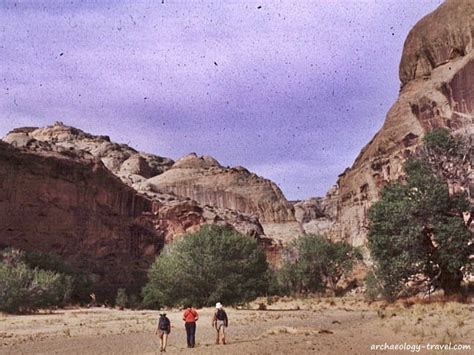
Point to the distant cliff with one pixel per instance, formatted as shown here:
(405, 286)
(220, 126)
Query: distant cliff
(204, 180)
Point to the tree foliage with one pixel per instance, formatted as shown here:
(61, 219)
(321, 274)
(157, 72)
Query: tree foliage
(121, 300)
(24, 289)
(417, 227)
(29, 281)
(80, 284)
(211, 265)
(315, 264)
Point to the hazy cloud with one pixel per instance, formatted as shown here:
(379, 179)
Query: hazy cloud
(292, 90)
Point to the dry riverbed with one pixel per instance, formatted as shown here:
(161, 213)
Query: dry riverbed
(306, 326)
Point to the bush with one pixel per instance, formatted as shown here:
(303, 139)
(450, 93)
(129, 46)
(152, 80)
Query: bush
(79, 284)
(372, 286)
(441, 142)
(121, 300)
(23, 289)
(316, 264)
(214, 264)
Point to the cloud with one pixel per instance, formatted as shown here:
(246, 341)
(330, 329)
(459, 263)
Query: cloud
(302, 83)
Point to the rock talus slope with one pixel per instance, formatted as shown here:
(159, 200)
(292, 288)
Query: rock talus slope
(437, 76)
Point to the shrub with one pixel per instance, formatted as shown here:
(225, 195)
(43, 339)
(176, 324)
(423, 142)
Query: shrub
(23, 289)
(214, 264)
(78, 284)
(121, 300)
(441, 142)
(315, 263)
(372, 286)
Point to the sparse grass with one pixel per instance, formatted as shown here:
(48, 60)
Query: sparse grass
(397, 326)
(381, 313)
(419, 332)
(460, 322)
(455, 335)
(280, 330)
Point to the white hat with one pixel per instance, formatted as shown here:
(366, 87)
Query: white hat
(218, 305)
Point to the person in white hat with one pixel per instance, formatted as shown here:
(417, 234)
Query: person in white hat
(220, 322)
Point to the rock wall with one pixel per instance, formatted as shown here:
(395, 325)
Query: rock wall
(204, 180)
(57, 195)
(437, 76)
(70, 204)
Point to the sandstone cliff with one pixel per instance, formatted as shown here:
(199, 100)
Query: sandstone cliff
(67, 202)
(204, 180)
(201, 179)
(121, 159)
(178, 215)
(78, 195)
(437, 76)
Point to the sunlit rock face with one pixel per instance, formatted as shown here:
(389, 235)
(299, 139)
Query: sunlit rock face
(118, 158)
(437, 76)
(204, 180)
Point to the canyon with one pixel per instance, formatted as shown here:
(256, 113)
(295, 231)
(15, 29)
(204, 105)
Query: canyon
(109, 209)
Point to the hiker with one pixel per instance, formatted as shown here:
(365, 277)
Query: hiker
(220, 322)
(163, 329)
(190, 318)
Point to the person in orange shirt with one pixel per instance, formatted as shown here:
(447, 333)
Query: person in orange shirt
(190, 318)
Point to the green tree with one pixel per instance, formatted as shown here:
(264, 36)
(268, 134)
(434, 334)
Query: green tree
(315, 263)
(417, 228)
(23, 289)
(78, 284)
(211, 265)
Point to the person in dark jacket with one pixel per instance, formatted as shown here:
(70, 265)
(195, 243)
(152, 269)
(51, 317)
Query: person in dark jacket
(163, 329)
(220, 322)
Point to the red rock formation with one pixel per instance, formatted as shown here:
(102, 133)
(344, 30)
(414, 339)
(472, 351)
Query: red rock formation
(56, 195)
(68, 203)
(437, 74)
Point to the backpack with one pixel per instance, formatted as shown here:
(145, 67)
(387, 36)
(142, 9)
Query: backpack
(220, 314)
(164, 323)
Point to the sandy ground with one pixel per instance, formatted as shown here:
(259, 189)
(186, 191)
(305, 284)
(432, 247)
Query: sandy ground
(308, 326)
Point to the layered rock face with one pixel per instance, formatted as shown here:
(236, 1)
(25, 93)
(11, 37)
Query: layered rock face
(87, 199)
(317, 215)
(201, 179)
(67, 202)
(177, 215)
(437, 75)
(204, 180)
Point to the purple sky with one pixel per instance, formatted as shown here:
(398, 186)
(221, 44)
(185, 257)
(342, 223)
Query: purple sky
(291, 90)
